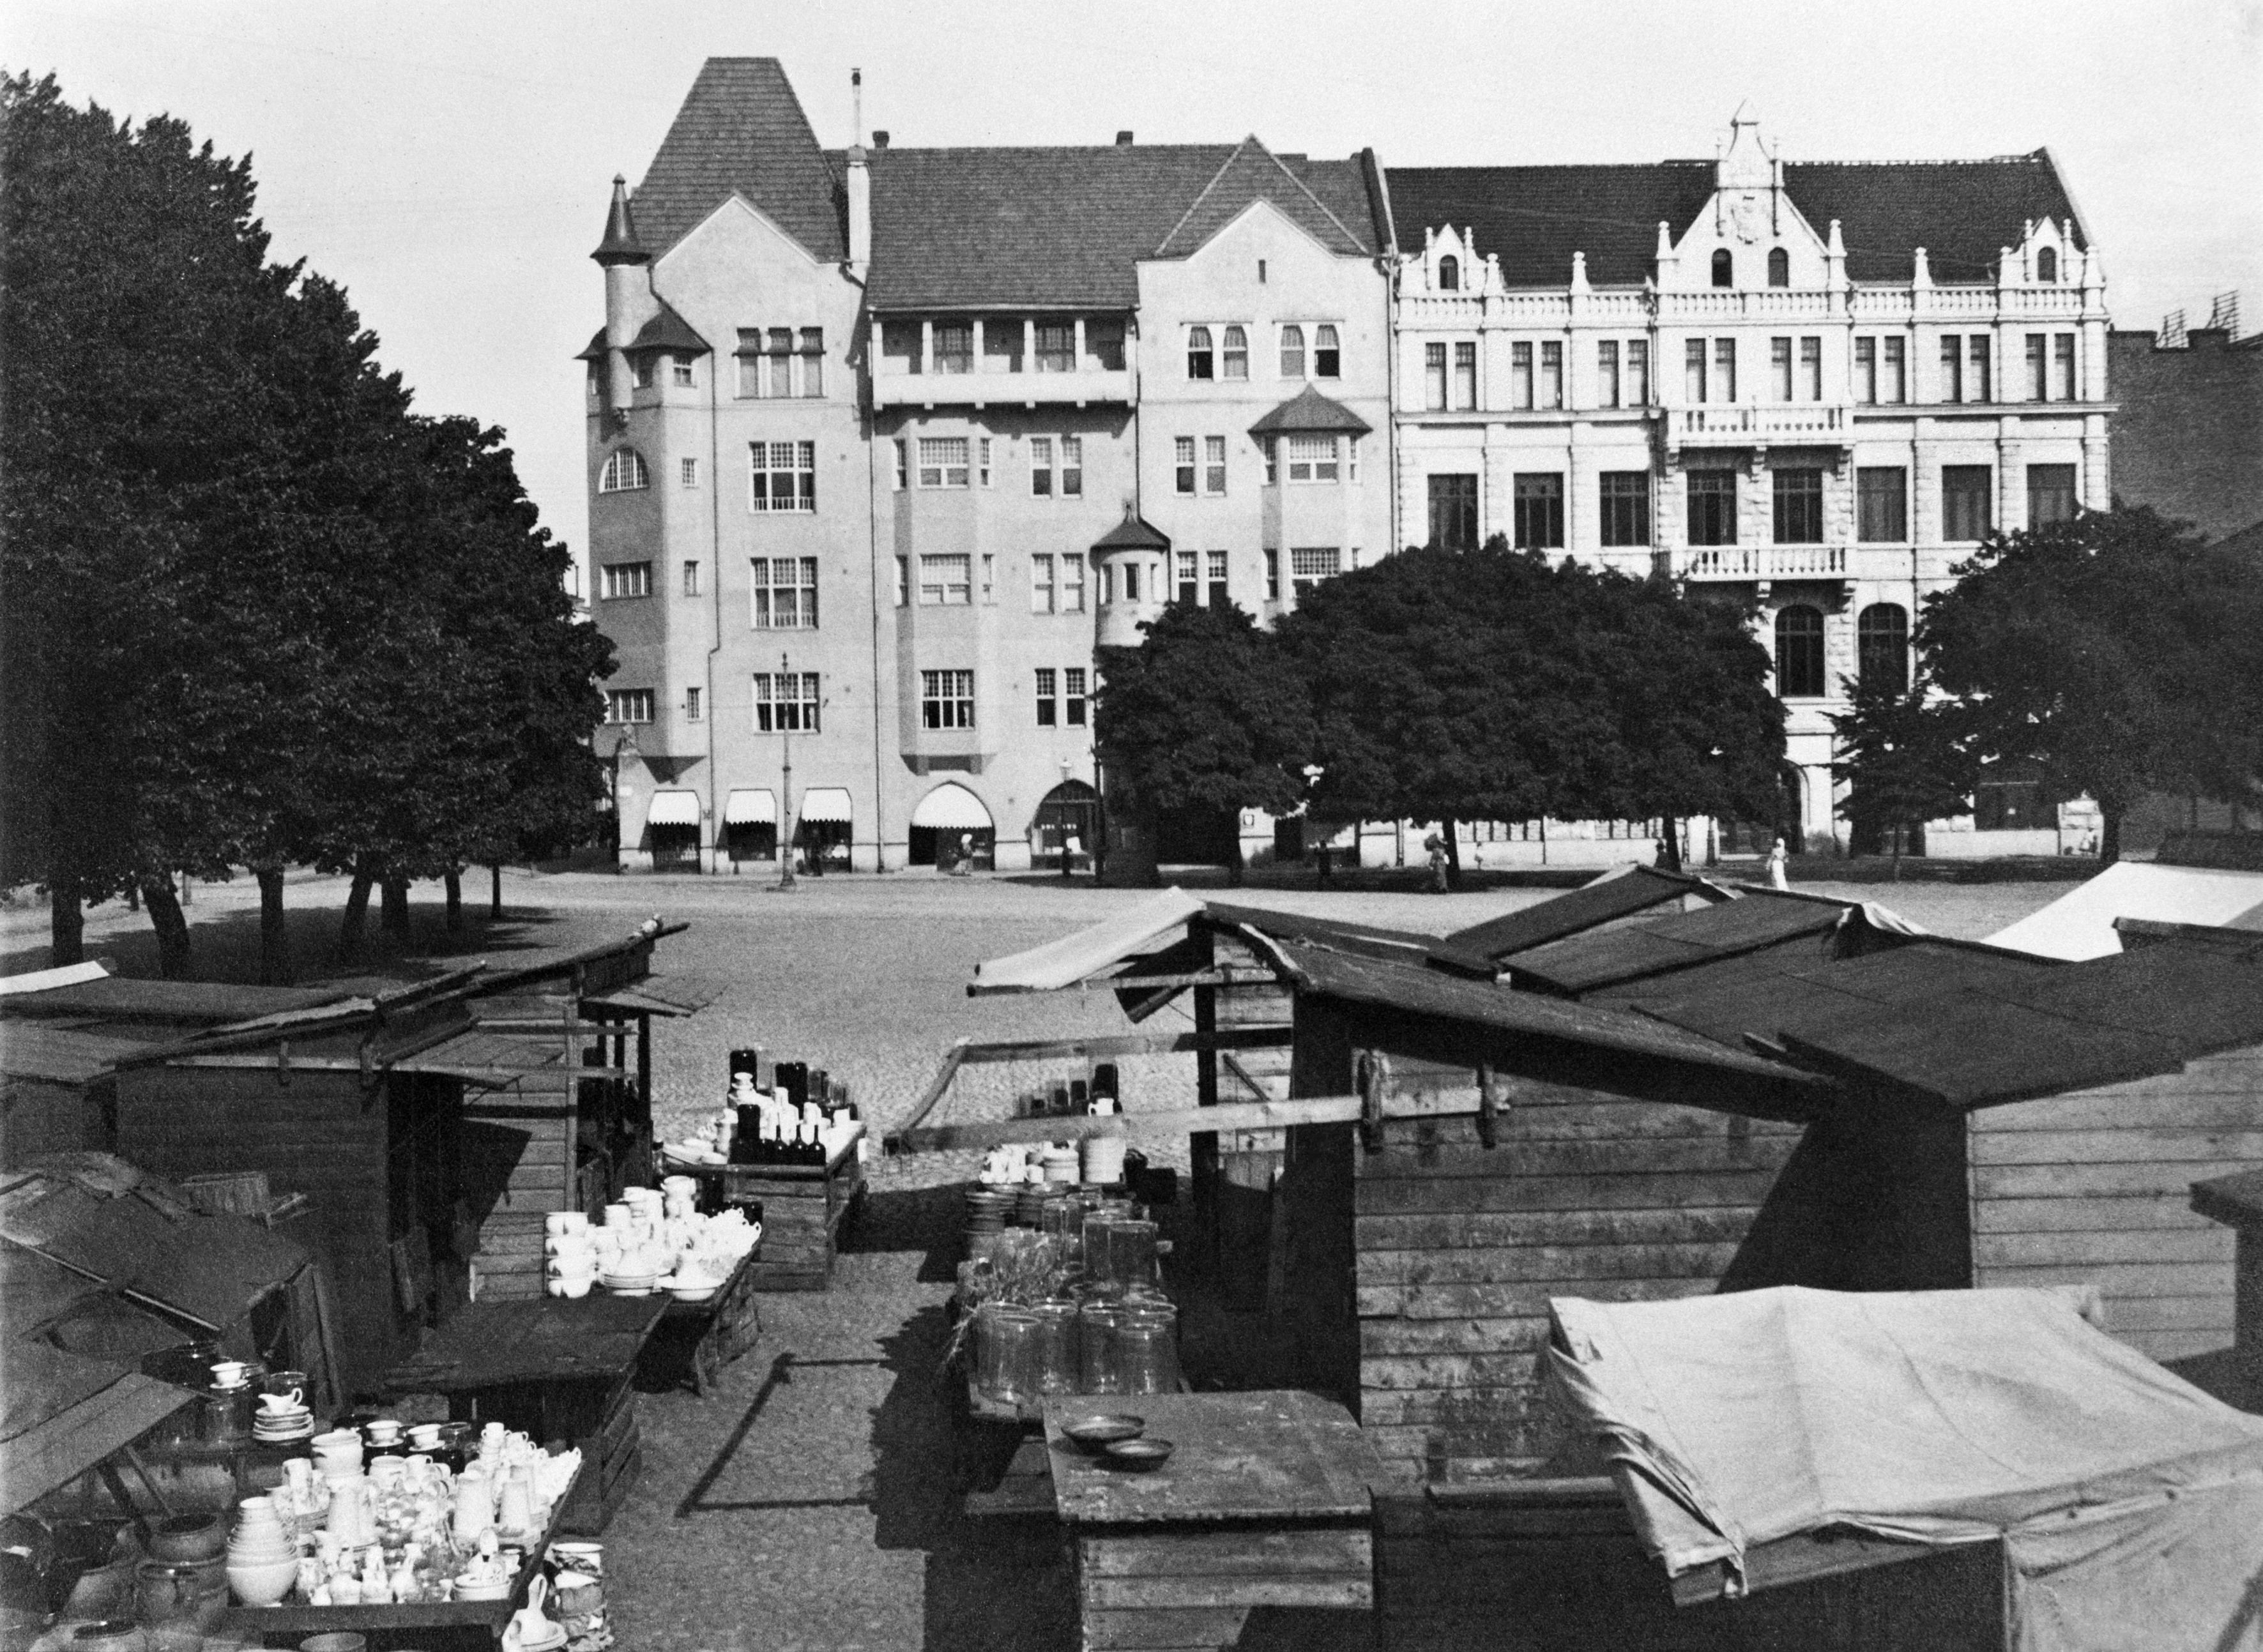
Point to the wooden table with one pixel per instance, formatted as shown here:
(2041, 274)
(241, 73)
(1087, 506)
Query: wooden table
(803, 1208)
(713, 1333)
(558, 1368)
(1265, 1504)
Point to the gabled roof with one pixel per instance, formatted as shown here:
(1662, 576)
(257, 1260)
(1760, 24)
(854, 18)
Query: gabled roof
(1309, 410)
(668, 330)
(1133, 533)
(741, 131)
(1615, 895)
(1254, 173)
(1534, 218)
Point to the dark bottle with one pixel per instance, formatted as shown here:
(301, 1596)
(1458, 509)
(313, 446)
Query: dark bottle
(747, 1140)
(1080, 1095)
(794, 1075)
(819, 1086)
(744, 1061)
(1103, 1082)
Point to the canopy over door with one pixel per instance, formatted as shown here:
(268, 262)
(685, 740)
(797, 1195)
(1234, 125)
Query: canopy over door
(951, 807)
(756, 806)
(827, 805)
(674, 809)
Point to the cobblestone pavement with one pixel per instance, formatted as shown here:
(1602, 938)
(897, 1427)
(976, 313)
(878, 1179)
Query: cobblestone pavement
(812, 1500)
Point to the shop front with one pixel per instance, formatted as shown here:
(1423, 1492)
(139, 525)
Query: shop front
(952, 831)
(750, 825)
(823, 829)
(1068, 825)
(672, 831)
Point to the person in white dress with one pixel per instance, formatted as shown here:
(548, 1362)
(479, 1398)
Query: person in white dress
(1777, 863)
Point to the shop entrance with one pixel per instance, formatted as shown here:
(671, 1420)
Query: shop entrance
(672, 831)
(822, 834)
(750, 826)
(1067, 823)
(952, 829)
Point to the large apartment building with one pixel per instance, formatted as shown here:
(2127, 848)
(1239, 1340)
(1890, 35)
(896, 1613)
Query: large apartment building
(883, 440)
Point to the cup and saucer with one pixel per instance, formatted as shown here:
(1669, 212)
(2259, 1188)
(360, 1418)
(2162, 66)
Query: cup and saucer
(282, 1417)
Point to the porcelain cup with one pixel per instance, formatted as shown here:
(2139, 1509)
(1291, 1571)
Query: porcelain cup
(229, 1374)
(425, 1436)
(383, 1430)
(275, 1405)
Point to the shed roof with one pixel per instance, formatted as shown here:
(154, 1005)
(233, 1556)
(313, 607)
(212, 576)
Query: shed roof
(59, 1055)
(1616, 894)
(1583, 963)
(61, 1414)
(209, 1002)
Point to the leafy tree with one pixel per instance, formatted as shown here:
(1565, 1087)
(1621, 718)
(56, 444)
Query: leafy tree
(1902, 762)
(1209, 713)
(2115, 652)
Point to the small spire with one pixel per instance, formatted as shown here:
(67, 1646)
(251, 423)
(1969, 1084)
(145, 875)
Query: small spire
(1665, 240)
(620, 244)
(1579, 272)
(1838, 246)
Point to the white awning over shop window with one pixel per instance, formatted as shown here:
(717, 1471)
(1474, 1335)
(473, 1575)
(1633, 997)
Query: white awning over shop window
(826, 804)
(756, 807)
(674, 808)
(951, 807)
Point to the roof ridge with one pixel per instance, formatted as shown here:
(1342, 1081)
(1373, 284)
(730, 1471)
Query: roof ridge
(1325, 211)
(1203, 194)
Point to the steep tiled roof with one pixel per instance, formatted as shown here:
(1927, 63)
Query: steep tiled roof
(1537, 217)
(1133, 533)
(1309, 410)
(741, 131)
(1254, 173)
(668, 330)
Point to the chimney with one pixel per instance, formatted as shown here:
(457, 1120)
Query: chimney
(880, 138)
(860, 187)
(1124, 139)
(621, 256)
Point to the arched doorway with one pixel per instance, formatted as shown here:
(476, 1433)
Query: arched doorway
(1067, 823)
(951, 825)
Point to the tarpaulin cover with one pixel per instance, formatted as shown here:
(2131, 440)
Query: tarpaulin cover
(2080, 924)
(2128, 1501)
(1065, 961)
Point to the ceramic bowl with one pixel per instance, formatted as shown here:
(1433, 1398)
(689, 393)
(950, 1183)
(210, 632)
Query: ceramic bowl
(1136, 1456)
(573, 1286)
(482, 1592)
(263, 1583)
(1096, 1434)
(188, 1537)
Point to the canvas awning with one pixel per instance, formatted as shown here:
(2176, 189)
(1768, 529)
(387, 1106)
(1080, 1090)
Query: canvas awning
(829, 804)
(2129, 1503)
(47, 980)
(61, 1414)
(673, 809)
(751, 806)
(1063, 962)
(2080, 924)
(951, 808)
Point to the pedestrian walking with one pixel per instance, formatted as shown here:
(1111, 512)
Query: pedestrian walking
(1778, 862)
(1437, 846)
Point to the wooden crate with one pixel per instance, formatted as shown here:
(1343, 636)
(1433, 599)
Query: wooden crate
(1197, 1587)
(802, 1212)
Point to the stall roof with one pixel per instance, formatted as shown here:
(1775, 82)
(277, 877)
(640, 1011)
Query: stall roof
(61, 1414)
(2080, 924)
(1619, 893)
(2102, 1021)
(1077, 957)
(36, 1291)
(660, 995)
(60, 1055)
(1738, 1421)
(1600, 958)
(206, 1003)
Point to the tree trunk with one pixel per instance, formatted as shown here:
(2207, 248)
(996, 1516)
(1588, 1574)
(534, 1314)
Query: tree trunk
(274, 937)
(1453, 852)
(392, 909)
(1672, 840)
(66, 924)
(355, 918)
(453, 884)
(1897, 829)
(2109, 841)
(494, 891)
(172, 928)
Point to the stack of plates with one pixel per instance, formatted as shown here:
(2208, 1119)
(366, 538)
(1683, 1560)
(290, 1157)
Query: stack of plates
(274, 1426)
(628, 1284)
(1030, 1203)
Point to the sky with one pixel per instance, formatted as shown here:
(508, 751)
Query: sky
(449, 164)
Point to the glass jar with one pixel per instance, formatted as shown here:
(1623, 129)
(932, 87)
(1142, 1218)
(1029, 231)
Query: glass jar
(1054, 1364)
(1095, 1333)
(1147, 1347)
(1005, 1343)
(1131, 1252)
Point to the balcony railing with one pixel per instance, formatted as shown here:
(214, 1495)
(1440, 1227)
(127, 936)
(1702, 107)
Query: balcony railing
(1827, 424)
(893, 387)
(1767, 562)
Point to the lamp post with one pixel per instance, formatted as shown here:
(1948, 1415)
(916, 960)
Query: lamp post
(1068, 766)
(786, 760)
(1312, 773)
(624, 746)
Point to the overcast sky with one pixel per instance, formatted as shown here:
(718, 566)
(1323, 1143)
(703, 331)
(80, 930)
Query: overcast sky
(448, 164)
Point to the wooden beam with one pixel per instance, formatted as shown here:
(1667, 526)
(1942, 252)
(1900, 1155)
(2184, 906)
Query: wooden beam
(1129, 1044)
(1140, 983)
(951, 1059)
(1226, 1116)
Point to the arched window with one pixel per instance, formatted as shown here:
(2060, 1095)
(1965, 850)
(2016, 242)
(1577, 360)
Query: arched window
(1200, 362)
(2047, 264)
(1881, 648)
(1724, 269)
(1779, 268)
(1449, 274)
(1799, 652)
(1293, 351)
(1237, 353)
(624, 471)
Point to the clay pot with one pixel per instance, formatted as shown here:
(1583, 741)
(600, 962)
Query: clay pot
(187, 1537)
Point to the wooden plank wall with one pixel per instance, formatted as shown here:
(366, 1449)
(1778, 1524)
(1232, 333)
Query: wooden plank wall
(2095, 1187)
(1460, 1246)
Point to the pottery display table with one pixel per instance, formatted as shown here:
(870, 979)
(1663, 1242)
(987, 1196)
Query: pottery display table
(700, 1338)
(558, 1368)
(803, 1208)
(1264, 1503)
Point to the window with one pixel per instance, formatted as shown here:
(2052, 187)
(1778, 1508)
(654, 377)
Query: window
(947, 699)
(1237, 353)
(642, 369)
(1896, 385)
(1434, 378)
(1712, 506)
(1724, 269)
(628, 705)
(1213, 464)
(1966, 491)
(679, 369)
(691, 579)
(1779, 267)
(982, 461)
(1780, 367)
(1189, 577)
(1072, 586)
(1272, 576)
(1538, 508)
(1866, 370)
(2047, 264)
(1270, 447)
(2050, 494)
(1312, 459)
(779, 381)
(1465, 376)
(1638, 364)
(1072, 474)
(1449, 274)
(1309, 566)
(1328, 355)
(1103, 345)
(2038, 367)
(1183, 460)
(1881, 648)
(812, 360)
(1882, 504)
(1693, 372)
(1626, 508)
(1725, 370)
(1130, 581)
(946, 580)
(1200, 361)
(624, 472)
(692, 706)
(626, 579)
(1799, 507)
(784, 592)
(903, 581)
(1977, 351)
(2012, 798)
(688, 472)
(1041, 466)
(1214, 571)
(786, 703)
(1073, 682)
(1056, 347)
(901, 347)
(1454, 512)
(954, 347)
(1041, 583)
(943, 461)
(1810, 368)
(1799, 652)
(1520, 375)
(1293, 351)
(1048, 697)
(1952, 368)
(903, 466)
(784, 475)
(1607, 373)
(2063, 354)
(989, 577)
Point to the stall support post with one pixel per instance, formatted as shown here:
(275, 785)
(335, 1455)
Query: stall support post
(1202, 1148)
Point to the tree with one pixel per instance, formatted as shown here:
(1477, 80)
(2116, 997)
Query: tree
(2116, 653)
(1207, 714)
(1902, 762)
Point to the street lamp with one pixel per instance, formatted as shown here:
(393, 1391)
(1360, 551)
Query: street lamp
(1312, 773)
(785, 757)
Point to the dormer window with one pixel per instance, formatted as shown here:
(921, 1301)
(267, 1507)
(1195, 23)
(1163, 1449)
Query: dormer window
(1200, 362)
(1779, 268)
(1449, 274)
(2047, 264)
(1724, 269)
